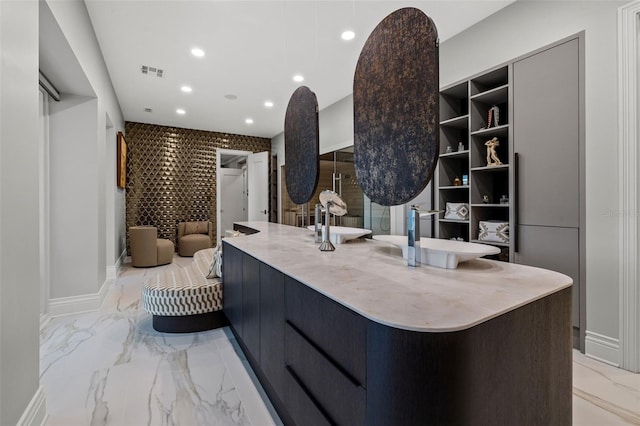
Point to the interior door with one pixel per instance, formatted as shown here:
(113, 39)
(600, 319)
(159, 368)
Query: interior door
(258, 183)
(232, 207)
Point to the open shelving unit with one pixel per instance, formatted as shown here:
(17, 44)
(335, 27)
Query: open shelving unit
(464, 122)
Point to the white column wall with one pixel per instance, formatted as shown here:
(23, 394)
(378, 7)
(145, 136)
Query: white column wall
(528, 25)
(73, 19)
(19, 209)
(74, 200)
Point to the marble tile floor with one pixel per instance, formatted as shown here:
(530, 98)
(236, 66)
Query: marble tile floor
(109, 367)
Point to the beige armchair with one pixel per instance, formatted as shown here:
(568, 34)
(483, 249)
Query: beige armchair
(147, 249)
(194, 236)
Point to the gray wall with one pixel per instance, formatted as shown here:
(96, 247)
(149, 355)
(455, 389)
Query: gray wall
(19, 231)
(528, 25)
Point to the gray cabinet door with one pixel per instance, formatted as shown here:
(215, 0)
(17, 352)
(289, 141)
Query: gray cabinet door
(546, 96)
(555, 249)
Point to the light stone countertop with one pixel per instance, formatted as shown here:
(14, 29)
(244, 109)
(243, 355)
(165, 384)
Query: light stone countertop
(371, 278)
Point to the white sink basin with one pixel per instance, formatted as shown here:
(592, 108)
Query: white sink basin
(340, 234)
(441, 253)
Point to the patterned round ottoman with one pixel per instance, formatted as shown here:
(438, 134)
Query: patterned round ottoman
(184, 300)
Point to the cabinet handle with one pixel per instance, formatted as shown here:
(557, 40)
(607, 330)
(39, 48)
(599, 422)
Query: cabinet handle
(306, 391)
(325, 355)
(516, 202)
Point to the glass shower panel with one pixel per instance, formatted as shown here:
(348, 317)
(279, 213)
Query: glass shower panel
(377, 217)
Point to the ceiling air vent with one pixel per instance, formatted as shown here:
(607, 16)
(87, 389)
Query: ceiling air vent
(148, 110)
(147, 70)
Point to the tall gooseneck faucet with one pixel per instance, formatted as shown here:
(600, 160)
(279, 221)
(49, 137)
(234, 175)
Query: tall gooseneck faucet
(326, 244)
(318, 223)
(413, 236)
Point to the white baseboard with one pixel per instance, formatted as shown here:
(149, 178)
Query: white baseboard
(113, 271)
(36, 412)
(602, 348)
(77, 304)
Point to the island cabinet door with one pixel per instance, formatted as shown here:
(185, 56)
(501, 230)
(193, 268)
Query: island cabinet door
(251, 305)
(325, 357)
(272, 327)
(232, 287)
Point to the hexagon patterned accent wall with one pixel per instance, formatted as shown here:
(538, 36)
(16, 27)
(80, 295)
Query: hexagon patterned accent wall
(171, 174)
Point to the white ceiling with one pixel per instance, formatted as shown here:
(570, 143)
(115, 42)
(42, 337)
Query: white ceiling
(252, 50)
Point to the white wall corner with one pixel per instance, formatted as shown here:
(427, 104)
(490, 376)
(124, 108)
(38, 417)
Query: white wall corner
(78, 304)
(629, 213)
(114, 270)
(36, 412)
(602, 348)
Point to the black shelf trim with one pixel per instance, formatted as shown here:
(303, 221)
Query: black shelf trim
(490, 243)
(501, 167)
(496, 129)
(453, 221)
(455, 154)
(490, 93)
(454, 187)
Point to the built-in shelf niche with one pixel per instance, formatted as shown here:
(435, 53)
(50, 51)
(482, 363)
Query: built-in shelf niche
(464, 118)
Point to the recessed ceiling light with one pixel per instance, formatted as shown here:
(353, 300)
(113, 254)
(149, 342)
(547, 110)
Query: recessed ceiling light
(186, 89)
(180, 111)
(298, 78)
(268, 104)
(197, 52)
(249, 121)
(230, 97)
(348, 35)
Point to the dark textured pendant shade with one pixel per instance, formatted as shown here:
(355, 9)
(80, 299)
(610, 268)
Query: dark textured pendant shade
(301, 145)
(396, 108)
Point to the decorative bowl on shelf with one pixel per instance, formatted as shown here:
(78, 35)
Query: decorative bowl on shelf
(441, 253)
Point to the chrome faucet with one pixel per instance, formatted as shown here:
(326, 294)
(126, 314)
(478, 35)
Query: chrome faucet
(413, 236)
(318, 220)
(326, 244)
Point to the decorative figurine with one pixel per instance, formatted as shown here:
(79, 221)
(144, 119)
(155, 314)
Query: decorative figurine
(457, 181)
(492, 157)
(493, 117)
(504, 200)
(448, 150)
(485, 199)
(460, 146)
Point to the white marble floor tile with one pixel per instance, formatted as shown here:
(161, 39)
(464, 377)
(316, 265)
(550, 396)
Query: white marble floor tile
(110, 367)
(603, 390)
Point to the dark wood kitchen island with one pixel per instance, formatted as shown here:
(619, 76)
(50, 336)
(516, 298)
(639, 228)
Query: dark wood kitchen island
(355, 336)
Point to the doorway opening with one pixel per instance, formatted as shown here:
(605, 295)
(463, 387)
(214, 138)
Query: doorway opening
(242, 188)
